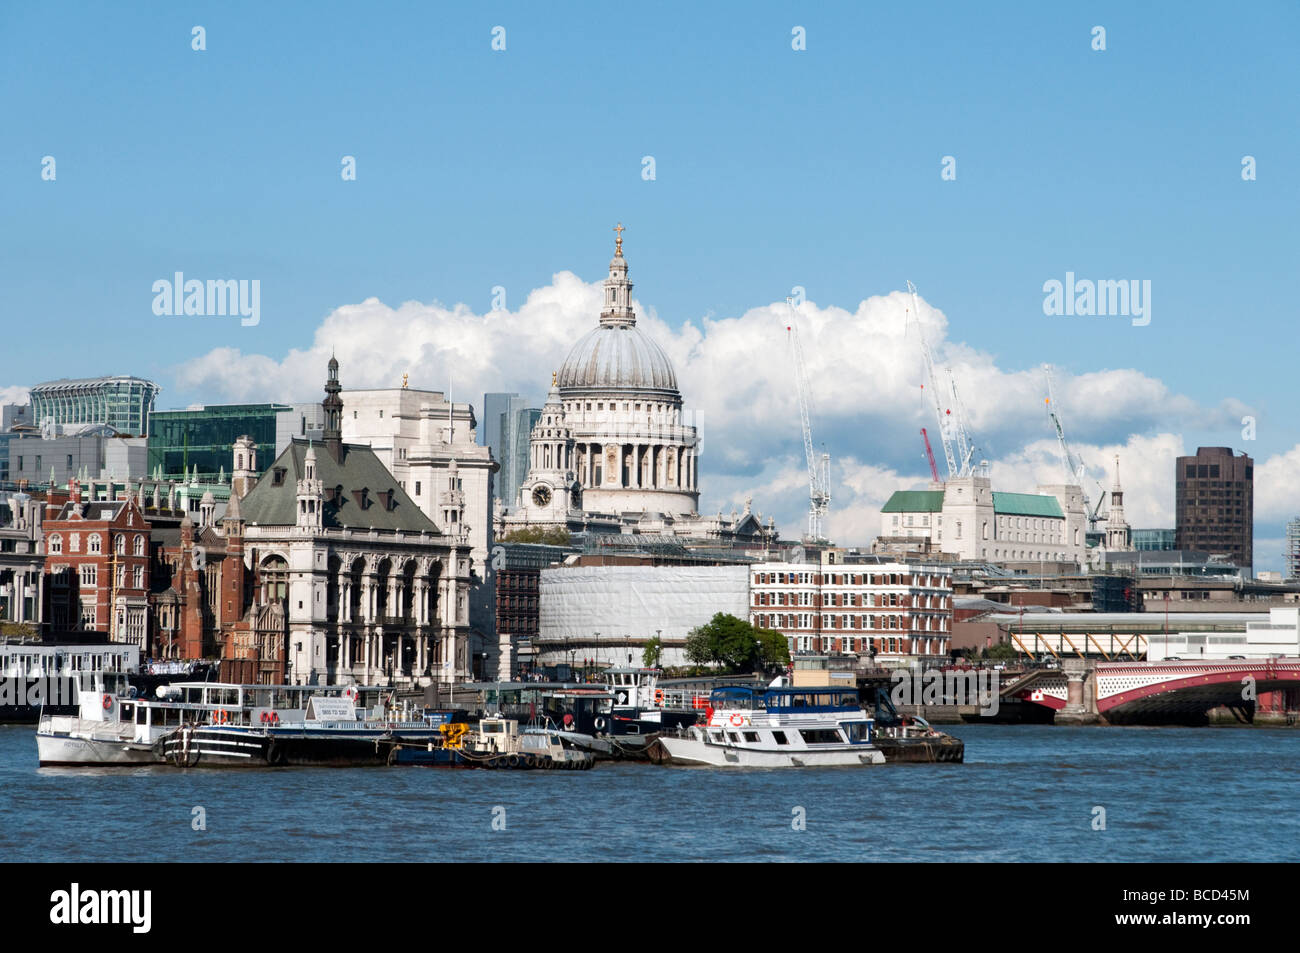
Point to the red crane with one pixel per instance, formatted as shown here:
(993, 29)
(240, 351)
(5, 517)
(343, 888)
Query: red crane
(929, 455)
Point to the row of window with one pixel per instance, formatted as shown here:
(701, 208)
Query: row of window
(914, 580)
(804, 620)
(878, 600)
(94, 544)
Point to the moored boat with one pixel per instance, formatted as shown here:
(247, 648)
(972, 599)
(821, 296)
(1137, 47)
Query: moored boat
(775, 727)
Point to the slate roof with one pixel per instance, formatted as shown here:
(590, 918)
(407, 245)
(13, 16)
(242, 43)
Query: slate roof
(272, 504)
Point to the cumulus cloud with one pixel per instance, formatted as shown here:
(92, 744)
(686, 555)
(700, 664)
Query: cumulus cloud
(13, 395)
(737, 378)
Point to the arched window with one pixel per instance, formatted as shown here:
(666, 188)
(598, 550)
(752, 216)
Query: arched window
(56, 544)
(139, 546)
(119, 544)
(94, 543)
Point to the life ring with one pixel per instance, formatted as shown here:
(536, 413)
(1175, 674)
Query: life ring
(219, 716)
(265, 717)
(108, 702)
(737, 720)
(600, 724)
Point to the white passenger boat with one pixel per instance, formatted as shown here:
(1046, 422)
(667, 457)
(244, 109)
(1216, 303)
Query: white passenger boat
(776, 727)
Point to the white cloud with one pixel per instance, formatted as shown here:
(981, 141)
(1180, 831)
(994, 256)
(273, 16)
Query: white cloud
(737, 376)
(13, 395)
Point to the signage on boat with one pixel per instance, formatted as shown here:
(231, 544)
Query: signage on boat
(321, 708)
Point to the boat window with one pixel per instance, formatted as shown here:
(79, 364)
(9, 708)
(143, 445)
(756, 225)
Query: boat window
(733, 737)
(820, 736)
(751, 737)
(855, 730)
(780, 737)
(716, 736)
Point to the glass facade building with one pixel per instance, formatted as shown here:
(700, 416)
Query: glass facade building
(123, 403)
(1153, 540)
(181, 440)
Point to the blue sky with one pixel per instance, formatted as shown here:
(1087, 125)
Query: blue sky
(774, 168)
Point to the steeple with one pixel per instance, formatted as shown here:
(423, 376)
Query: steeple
(333, 405)
(618, 311)
(1118, 535)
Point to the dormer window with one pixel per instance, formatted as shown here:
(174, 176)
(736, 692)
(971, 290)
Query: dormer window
(362, 497)
(277, 476)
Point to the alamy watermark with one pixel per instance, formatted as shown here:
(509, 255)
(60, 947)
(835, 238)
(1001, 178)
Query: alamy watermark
(35, 692)
(224, 296)
(1127, 298)
(974, 687)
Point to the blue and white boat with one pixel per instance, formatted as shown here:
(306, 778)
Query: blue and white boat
(775, 727)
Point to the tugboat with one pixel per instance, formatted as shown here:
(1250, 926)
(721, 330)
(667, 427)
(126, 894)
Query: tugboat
(776, 727)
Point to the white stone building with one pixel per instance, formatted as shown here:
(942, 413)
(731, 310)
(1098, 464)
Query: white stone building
(373, 591)
(429, 444)
(968, 518)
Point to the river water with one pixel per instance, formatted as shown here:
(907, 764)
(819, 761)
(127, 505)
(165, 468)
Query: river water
(1025, 793)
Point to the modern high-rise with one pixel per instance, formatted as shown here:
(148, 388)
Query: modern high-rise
(501, 423)
(1291, 557)
(123, 403)
(1214, 506)
(516, 433)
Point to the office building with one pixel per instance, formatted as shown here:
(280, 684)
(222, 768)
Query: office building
(1214, 504)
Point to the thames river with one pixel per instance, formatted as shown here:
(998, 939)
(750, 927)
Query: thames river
(1031, 793)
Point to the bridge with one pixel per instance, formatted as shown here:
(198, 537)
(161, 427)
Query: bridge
(1083, 691)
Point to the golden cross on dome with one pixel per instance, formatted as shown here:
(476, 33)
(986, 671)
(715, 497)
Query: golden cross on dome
(618, 245)
(404, 377)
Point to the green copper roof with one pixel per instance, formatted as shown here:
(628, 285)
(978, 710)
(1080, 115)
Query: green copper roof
(272, 504)
(914, 501)
(1026, 504)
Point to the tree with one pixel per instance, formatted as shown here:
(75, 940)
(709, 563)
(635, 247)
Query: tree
(551, 536)
(1002, 651)
(654, 650)
(773, 649)
(734, 645)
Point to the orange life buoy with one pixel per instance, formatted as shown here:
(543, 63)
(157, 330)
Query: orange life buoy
(108, 702)
(737, 720)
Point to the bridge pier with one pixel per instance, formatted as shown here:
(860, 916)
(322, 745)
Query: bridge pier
(1081, 693)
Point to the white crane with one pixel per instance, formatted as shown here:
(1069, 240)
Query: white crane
(819, 485)
(1076, 471)
(958, 448)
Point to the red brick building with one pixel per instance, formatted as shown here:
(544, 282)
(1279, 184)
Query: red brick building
(97, 567)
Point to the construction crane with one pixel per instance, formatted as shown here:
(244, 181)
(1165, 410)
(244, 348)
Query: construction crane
(819, 486)
(1076, 471)
(958, 448)
(929, 455)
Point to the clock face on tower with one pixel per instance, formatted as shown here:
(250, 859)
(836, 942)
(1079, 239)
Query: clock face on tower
(542, 495)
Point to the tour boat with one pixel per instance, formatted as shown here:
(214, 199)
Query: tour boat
(775, 727)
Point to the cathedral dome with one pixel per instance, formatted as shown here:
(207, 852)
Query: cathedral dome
(617, 357)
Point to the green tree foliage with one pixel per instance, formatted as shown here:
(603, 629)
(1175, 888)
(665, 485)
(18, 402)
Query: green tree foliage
(1002, 651)
(734, 645)
(551, 536)
(654, 650)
